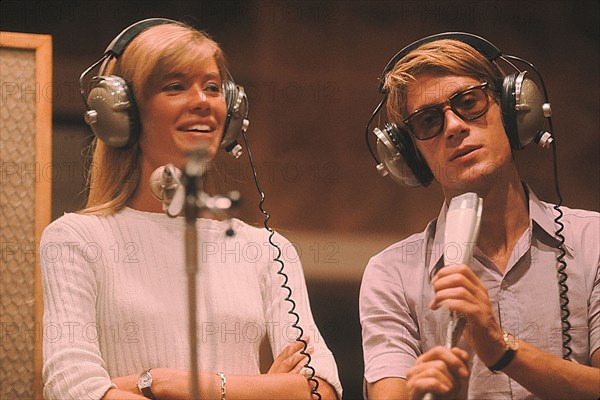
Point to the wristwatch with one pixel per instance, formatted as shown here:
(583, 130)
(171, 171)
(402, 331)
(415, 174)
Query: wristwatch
(511, 349)
(144, 383)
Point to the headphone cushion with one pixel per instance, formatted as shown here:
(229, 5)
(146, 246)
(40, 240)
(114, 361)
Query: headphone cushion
(409, 153)
(509, 115)
(237, 113)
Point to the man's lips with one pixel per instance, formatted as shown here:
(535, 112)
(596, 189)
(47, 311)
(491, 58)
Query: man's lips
(463, 152)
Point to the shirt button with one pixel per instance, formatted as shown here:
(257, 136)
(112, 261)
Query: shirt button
(504, 285)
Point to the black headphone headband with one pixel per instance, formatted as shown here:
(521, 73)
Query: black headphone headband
(485, 47)
(118, 45)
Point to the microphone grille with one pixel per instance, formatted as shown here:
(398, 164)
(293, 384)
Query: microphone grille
(156, 183)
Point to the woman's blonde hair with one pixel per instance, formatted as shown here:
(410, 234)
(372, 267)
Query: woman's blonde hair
(114, 174)
(443, 57)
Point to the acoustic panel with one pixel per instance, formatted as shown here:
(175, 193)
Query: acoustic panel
(25, 204)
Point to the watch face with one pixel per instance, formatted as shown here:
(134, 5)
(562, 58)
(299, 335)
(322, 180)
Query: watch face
(510, 341)
(145, 380)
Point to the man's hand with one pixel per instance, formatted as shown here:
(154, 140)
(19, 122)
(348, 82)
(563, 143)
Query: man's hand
(440, 371)
(458, 289)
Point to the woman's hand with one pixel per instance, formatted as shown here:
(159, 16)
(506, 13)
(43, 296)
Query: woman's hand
(127, 383)
(440, 371)
(291, 360)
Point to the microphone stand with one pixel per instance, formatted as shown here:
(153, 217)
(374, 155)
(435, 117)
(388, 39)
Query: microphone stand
(193, 170)
(195, 201)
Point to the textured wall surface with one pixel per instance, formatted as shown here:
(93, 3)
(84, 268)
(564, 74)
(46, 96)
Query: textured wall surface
(17, 236)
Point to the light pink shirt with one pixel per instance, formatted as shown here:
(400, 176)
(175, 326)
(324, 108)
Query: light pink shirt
(398, 326)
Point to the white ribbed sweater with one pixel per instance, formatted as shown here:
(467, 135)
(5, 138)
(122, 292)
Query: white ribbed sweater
(115, 300)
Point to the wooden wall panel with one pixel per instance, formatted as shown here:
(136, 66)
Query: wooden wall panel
(25, 202)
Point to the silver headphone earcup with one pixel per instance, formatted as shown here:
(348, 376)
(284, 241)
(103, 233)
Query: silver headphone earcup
(529, 107)
(237, 117)
(111, 111)
(392, 162)
(523, 110)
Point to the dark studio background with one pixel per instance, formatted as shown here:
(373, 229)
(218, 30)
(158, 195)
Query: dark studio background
(310, 70)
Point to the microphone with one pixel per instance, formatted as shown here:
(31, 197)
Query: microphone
(165, 186)
(462, 229)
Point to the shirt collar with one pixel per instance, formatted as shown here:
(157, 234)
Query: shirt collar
(437, 246)
(541, 217)
(545, 227)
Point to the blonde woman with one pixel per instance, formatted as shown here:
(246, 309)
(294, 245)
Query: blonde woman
(114, 274)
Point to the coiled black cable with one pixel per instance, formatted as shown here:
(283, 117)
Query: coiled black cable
(281, 272)
(562, 265)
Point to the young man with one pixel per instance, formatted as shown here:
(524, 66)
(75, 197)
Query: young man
(446, 97)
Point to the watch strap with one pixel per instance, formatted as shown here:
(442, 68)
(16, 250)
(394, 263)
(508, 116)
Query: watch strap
(503, 362)
(146, 390)
(509, 353)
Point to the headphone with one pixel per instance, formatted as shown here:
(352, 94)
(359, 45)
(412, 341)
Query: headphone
(111, 110)
(524, 110)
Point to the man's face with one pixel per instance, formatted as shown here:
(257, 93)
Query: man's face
(466, 154)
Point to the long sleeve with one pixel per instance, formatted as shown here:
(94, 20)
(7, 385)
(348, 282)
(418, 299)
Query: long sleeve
(73, 365)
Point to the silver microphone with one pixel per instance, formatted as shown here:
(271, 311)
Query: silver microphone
(462, 229)
(166, 187)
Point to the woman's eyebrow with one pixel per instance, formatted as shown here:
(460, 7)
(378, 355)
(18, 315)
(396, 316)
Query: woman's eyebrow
(181, 75)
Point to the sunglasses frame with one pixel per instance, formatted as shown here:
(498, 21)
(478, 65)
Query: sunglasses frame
(448, 104)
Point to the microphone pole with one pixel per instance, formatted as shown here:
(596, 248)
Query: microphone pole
(186, 194)
(192, 172)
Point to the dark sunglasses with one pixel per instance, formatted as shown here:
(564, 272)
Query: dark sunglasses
(468, 104)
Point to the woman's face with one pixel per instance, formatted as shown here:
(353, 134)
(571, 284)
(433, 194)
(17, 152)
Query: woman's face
(185, 111)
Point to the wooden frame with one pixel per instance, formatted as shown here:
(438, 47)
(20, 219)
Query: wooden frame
(40, 47)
